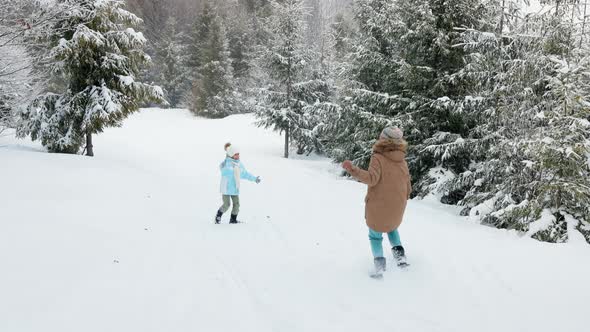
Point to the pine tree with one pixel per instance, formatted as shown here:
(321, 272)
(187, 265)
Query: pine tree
(403, 71)
(284, 61)
(155, 15)
(254, 6)
(342, 35)
(318, 91)
(201, 31)
(529, 148)
(315, 23)
(373, 92)
(212, 89)
(172, 73)
(99, 56)
(240, 43)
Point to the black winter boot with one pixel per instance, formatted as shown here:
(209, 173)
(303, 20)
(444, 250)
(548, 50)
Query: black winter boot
(218, 217)
(234, 219)
(399, 254)
(380, 266)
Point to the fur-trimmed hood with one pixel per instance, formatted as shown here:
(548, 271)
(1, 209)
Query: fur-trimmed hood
(393, 149)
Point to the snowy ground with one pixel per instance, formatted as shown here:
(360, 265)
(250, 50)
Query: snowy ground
(125, 242)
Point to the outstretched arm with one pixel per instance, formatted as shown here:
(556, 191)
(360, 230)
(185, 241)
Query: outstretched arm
(244, 174)
(370, 177)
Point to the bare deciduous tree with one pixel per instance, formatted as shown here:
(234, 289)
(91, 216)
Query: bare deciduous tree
(23, 23)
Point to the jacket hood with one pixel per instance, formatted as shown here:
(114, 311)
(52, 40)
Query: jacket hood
(393, 149)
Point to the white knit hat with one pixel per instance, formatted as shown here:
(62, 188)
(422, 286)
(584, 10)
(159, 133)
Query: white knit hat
(392, 133)
(232, 150)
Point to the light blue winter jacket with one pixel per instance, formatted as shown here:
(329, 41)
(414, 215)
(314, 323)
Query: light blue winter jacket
(230, 169)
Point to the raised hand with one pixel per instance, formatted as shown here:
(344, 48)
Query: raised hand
(347, 165)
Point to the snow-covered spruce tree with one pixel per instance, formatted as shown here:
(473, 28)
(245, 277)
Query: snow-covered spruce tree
(530, 145)
(315, 24)
(241, 35)
(315, 93)
(403, 72)
(194, 43)
(343, 31)
(394, 71)
(212, 79)
(99, 56)
(313, 107)
(370, 67)
(259, 11)
(253, 6)
(259, 40)
(429, 78)
(172, 73)
(327, 73)
(282, 103)
(329, 69)
(240, 44)
(155, 15)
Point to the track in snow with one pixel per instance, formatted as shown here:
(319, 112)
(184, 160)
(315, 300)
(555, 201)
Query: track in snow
(126, 242)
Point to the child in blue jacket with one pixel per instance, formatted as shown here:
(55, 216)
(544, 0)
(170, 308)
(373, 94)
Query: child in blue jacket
(232, 172)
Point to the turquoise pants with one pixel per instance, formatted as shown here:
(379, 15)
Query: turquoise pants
(376, 239)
